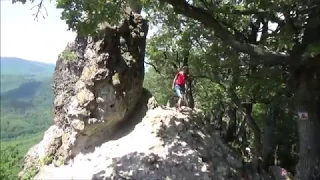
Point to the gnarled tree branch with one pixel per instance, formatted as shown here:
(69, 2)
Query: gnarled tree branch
(265, 56)
(154, 67)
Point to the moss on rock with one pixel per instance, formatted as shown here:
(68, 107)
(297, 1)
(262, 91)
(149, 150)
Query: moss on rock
(68, 55)
(46, 160)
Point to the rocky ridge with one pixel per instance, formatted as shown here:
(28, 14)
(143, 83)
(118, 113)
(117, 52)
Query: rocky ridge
(164, 144)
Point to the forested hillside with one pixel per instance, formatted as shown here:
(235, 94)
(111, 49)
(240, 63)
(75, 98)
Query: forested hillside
(26, 97)
(26, 109)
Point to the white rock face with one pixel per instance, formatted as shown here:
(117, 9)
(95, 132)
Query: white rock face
(165, 144)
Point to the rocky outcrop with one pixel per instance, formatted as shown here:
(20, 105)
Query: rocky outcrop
(97, 84)
(158, 144)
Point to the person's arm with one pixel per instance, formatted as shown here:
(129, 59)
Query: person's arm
(174, 80)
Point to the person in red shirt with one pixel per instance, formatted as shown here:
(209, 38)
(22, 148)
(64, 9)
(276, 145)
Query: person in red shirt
(179, 83)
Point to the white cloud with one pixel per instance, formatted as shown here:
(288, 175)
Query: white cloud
(23, 37)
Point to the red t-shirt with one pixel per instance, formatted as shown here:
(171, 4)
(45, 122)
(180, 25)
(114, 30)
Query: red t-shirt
(181, 79)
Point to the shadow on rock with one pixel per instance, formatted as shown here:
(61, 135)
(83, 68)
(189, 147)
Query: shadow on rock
(190, 150)
(126, 126)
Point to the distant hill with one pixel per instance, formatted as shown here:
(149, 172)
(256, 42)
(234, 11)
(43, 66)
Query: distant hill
(17, 66)
(26, 97)
(26, 109)
(16, 71)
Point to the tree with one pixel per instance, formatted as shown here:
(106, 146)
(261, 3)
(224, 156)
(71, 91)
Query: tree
(238, 82)
(299, 56)
(10, 160)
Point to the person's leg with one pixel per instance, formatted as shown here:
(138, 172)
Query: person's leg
(182, 97)
(179, 103)
(178, 91)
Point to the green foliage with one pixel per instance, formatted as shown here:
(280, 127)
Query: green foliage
(26, 109)
(218, 71)
(26, 99)
(12, 153)
(10, 163)
(159, 86)
(85, 16)
(22, 143)
(68, 55)
(9, 82)
(47, 160)
(313, 49)
(30, 173)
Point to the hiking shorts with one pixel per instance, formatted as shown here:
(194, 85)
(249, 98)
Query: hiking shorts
(179, 90)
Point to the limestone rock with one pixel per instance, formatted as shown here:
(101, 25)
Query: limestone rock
(101, 85)
(45, 150)
(97, 84)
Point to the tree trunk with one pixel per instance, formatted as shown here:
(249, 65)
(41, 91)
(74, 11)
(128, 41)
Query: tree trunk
(189, 94)
(232, 125)
(307, 98)
(220, 113)
(255, 128)
(189, 100)
(241, 136)
(268, 137)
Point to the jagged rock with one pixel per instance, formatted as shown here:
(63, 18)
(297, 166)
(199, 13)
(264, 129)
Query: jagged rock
(97, 84)
(158, 144)
(47, 148)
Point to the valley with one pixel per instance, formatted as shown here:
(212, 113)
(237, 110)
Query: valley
(26, 108)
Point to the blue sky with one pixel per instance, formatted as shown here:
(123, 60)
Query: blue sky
(23, 37)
